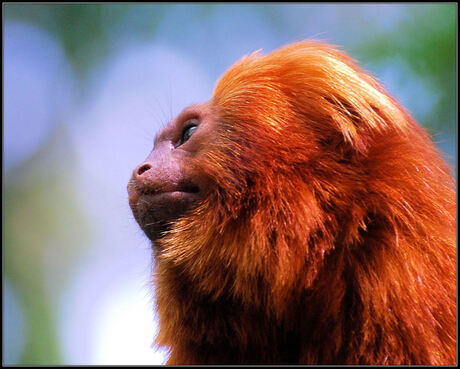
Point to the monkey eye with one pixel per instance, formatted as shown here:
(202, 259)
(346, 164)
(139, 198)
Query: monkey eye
(188, 130)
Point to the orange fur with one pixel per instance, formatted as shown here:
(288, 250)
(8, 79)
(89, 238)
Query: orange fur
(329, 234)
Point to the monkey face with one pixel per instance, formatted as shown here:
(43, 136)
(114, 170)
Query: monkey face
(170, 181)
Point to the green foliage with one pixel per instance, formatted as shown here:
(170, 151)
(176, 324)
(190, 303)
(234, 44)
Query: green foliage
(426, 42)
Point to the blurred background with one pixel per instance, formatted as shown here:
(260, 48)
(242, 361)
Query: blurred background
(85, 89)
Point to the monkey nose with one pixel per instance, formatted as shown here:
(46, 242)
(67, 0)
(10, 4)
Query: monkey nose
(142, 169)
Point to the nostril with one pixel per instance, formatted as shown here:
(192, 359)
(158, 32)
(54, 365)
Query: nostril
(143, 168)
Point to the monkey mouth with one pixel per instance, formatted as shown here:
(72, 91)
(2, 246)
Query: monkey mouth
(156, 210)
(182, 189)
(170, 189)
(175, 198)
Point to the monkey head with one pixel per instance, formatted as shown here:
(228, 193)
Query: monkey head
(271, 142)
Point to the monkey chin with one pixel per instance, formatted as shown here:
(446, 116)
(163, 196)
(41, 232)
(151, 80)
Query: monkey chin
(156, 212)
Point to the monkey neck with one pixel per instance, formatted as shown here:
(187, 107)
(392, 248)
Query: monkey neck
(217, 329)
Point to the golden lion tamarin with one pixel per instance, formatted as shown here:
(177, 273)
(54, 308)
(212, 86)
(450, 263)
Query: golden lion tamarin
(300, 216)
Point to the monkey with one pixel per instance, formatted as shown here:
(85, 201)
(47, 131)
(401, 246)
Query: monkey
(300, 216)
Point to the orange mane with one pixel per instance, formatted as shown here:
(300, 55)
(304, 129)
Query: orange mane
(333, 213)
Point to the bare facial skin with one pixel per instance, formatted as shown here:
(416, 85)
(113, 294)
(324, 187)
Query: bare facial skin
(168, 183)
